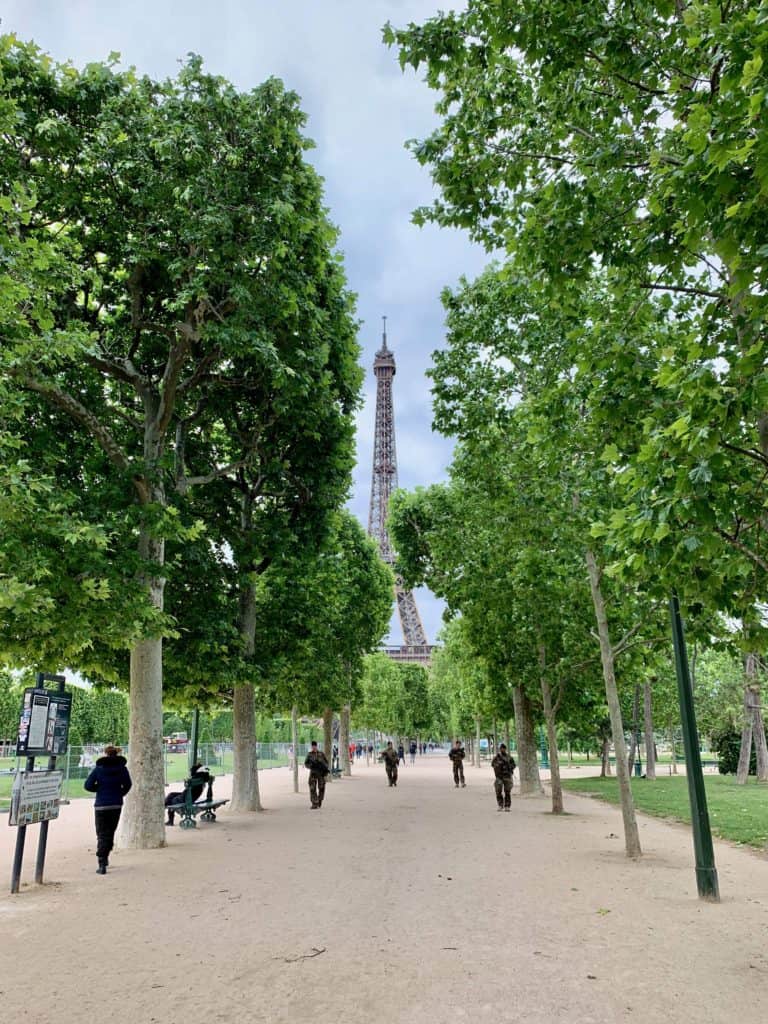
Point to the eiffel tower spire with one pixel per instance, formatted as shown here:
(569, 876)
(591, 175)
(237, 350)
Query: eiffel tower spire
(384, 482)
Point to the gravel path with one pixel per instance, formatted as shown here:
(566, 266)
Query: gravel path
(399, 905)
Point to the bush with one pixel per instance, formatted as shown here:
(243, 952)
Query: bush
(728, 746)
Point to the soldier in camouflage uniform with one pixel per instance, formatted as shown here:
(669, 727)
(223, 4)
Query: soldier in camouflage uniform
(503, 766)
(317, 763)
(390, 758)
(456, 754)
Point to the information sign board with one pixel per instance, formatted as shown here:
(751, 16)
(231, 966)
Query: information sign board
(35, 797)
(44, 723)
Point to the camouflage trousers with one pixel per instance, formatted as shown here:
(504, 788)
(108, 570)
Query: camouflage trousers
(316, 789)
(505, 786)
(391, 773)
(458, 772)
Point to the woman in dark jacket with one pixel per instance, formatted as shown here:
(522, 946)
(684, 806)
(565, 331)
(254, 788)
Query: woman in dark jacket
(110, 781)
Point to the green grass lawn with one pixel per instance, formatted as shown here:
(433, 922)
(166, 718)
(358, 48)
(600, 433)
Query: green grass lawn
(739, 813)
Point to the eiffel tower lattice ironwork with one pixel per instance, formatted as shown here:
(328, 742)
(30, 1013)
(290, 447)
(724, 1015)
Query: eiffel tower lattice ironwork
(383, 483)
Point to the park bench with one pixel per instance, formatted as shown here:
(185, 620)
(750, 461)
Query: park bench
(188, 809)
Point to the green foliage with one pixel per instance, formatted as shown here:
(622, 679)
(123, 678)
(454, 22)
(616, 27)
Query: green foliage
(396, 698)
(98, 716)
(10, 705)
(618, 156)
(728, 747)
(194, 332)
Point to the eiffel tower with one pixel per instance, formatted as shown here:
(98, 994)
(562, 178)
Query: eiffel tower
(383, 483)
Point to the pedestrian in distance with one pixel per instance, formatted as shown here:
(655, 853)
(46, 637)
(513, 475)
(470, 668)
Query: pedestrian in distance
(456, 754)
(503, 766)
(390, 758)
(401, 754)
(412, 751)
(110, 781)
(317, 764)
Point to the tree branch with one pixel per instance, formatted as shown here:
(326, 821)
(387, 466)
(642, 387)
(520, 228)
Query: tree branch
(751, 453)
(683, 288)
(743, 548)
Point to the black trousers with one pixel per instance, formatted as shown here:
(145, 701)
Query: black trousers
(316, 789)
(458, 772)
(106, 824)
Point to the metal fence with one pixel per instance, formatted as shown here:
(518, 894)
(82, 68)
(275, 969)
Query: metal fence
(78, 762)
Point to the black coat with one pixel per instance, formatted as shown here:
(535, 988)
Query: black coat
(110, 781)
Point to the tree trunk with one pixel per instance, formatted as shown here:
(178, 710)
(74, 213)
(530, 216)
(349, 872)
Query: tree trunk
(742, 772)
(758, 726)
(477, 741)
(527, 759)
(605, 758)
(506, 736)
(328, 739)
(631, 833)
(495, 738)
(672, 748)
(245, 775)
(142, 823)
(758, 734)
(549, 718)
(295, 745)
(650, 746)
(634, 738)
(346, 764)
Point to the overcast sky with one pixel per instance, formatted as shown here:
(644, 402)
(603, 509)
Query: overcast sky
(361, 109)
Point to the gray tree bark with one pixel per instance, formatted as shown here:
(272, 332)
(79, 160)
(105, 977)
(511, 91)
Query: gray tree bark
(477, 742)
(328, 739)
(549, 717)
(650, 749)
(245, 776)
(758, 726)
(605, 758)
(631, 833)
(633, 739)
(346, 764)
(295, 745)
(672, 749)
(142, 822)
(745, 752)
(527, 759)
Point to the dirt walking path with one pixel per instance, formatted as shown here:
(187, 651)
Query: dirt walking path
(419, 903)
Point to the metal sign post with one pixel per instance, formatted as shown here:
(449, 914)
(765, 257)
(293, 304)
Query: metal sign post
(706, 872)
(43, 729)
(42, 841)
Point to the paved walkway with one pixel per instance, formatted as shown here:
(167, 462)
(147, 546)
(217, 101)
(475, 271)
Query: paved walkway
(398, 905)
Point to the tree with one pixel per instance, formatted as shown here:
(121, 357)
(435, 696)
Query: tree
(627, 143)
(183, 268)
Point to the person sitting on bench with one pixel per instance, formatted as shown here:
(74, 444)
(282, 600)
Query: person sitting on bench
(198, 779)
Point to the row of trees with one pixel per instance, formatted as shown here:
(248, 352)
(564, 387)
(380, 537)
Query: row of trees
(178, 381)
(605, 377)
